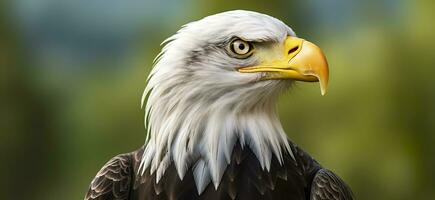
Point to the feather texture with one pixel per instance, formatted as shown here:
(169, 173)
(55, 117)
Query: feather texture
(297, 178)
(328, 186)
(198, 105)
(212, 132)
(113, 180)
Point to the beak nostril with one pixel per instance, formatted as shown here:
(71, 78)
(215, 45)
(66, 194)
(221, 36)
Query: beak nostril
(293, 49)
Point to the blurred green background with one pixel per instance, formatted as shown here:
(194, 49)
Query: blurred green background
(72, 74)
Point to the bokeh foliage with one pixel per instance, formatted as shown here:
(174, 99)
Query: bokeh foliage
(72, 75)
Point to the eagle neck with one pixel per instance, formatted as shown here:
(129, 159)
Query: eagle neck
(202, 137)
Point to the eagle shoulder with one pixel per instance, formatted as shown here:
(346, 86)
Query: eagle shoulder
(328, 186)
(113, 181)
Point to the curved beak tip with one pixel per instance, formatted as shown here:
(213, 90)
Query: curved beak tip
(308, 63)
(323, 83)
(323, 91)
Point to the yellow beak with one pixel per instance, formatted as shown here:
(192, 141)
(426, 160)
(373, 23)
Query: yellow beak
(301, 60)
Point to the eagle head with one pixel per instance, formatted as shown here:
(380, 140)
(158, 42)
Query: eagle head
(215, 83)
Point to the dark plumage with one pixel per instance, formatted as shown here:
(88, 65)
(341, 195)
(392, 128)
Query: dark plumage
(302, 179)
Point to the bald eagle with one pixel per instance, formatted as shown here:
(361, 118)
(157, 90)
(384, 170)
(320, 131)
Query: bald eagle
(213, 130)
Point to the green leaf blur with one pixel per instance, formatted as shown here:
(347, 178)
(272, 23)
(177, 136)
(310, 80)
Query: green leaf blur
(72, 79)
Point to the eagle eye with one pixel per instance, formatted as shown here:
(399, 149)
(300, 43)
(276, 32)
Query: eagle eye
(240, 48)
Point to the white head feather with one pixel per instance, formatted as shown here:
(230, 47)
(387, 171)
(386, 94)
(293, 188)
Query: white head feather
(199, 105)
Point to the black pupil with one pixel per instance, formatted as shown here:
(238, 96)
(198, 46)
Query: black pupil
(241, 46)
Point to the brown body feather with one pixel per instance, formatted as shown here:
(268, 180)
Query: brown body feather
(300, 179)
